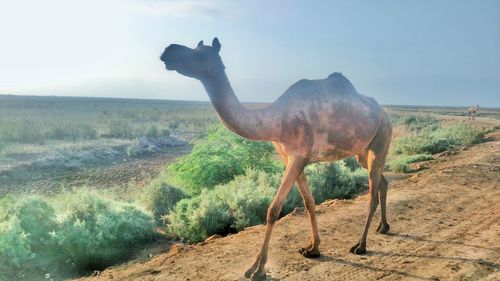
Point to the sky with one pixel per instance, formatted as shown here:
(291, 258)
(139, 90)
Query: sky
(399, 52)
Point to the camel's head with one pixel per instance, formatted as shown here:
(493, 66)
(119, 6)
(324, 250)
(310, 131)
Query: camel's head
(200, 62)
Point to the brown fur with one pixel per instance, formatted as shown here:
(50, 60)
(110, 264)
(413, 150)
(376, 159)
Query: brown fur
(313, 121)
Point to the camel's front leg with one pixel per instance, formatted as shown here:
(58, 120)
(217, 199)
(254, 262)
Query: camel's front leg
(295, 166)
(311, 250)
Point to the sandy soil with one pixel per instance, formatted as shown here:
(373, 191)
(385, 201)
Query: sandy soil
(445, 225)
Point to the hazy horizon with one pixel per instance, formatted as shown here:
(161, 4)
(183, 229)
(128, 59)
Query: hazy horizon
(208, 101)
(422, 53)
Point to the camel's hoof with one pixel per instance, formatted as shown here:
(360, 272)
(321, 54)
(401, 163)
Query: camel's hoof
(249, 272)
(258, 276)
(310, 253)
(383, 228)
(357, 249)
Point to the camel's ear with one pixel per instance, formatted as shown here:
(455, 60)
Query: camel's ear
(200, 43)
(216, 44)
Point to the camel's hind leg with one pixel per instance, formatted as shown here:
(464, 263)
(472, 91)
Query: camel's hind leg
(384, 226)
(375, 161)
(311, 250)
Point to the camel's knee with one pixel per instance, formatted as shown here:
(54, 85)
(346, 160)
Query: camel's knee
(273, 213)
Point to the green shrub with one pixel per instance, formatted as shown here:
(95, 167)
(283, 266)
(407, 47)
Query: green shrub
(15, 250)
(26, 244)
(218, 158)
(152, 132)
(351, 163)
(431, 142)
(98, 231)
(89, 232)
(244, 201)
(197, 218)
(120, 129)
(415, 123)
(159, 198)
(400, 163)
(333, 180)
(248, 197)
(23, 131)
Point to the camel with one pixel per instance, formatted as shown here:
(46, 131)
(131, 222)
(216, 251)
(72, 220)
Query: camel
(313, 121)
(473, 111)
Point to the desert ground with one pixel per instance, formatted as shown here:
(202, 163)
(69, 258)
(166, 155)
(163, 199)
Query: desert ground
(445, 225)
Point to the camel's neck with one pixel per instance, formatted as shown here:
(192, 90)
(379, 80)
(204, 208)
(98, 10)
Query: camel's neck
(251, 124)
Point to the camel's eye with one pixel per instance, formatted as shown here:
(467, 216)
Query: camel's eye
(200, 57)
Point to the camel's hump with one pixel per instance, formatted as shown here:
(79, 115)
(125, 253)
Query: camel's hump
(334, 83)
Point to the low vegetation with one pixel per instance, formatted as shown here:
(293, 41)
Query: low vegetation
(71, 233)
(224, 185)
(426, 136)
(26, 119)
(160, 197)
(220, 157)
(231, 181)
(243, 202)
(401, 163)
(438, 140)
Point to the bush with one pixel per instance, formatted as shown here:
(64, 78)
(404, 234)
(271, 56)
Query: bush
(248, 197)
(226, 208)
(244, 201)
(352, 164)
(15, 250)
(332, 180)
(152, 132)
(431, 142)
(416, 123)
(23, 131)
(159, 198)
(26, 244)
(98, 231)
(89, 232)
(400, 164)
(197, 218)
(218, 159)
(120, 129)
(61, 131)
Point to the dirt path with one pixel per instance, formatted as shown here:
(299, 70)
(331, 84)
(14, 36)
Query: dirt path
(445, 225)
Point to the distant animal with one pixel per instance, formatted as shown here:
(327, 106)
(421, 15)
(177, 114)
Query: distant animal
(473, 111)
(313, 121)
